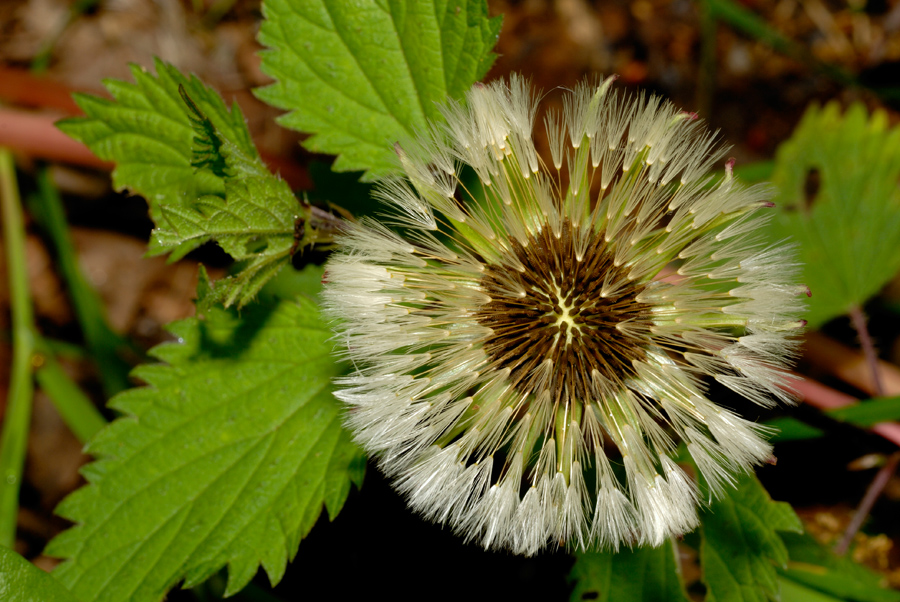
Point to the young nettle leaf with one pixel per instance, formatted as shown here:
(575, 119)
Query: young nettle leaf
(21, 581)
(361, 75)
(146, 131)
(226, 458)
(254, 221)
(176, 143)
(740, 546)
(646, 574)
(207, 151)
(838, 198)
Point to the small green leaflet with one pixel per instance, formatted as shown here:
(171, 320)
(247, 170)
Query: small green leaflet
(176, 143)
(147, 132)
(21, 581)
(815, 568)
(849, 232)
(740, 546)
(254, 222)
(226, 458)
(360, 75)
(645, 574)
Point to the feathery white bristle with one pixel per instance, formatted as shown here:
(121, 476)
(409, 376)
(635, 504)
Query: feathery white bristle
(519, 338)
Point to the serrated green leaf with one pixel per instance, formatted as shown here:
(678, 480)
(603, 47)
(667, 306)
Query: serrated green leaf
(815, 567)
(362, 74)
(226, 458)
(740, 546)
(849, 231)
(176, 143)
(206, 151)
(21, 581)
(254, 222)
(146, 131)
(646, 574)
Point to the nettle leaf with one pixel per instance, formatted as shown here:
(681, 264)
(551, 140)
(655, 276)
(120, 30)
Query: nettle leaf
(647, 574)
(21, 581)
(838, 198)
(360, 75)
(176, 143)
(226, 458)
(146, 131)
(254, 221)
(740, 546)
(815, 568)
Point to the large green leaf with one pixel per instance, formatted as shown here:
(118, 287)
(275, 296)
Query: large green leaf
(646, 574)
(226, 458)
(362, 74)
(21, 581)
(848, 229)
(740, 545)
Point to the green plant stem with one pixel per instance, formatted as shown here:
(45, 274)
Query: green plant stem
(102, 342)
(76, 409)
(16, 419)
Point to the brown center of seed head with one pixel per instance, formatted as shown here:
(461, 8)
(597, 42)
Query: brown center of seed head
(556, 324)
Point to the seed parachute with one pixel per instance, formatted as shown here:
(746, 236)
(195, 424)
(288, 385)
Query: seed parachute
(529, 350)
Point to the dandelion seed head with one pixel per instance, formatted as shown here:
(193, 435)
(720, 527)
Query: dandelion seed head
(529, 354)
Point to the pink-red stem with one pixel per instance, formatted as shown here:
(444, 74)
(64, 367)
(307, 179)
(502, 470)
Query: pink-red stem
(865, 506)
(868, 347)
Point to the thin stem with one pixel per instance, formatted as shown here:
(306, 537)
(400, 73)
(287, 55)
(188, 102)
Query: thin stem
(76, 409)
(865, 341)
(325, 224)
(105, 346)
(16, 420)
(875, 488)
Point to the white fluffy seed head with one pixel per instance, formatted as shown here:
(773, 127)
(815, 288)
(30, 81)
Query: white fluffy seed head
(524, 337)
